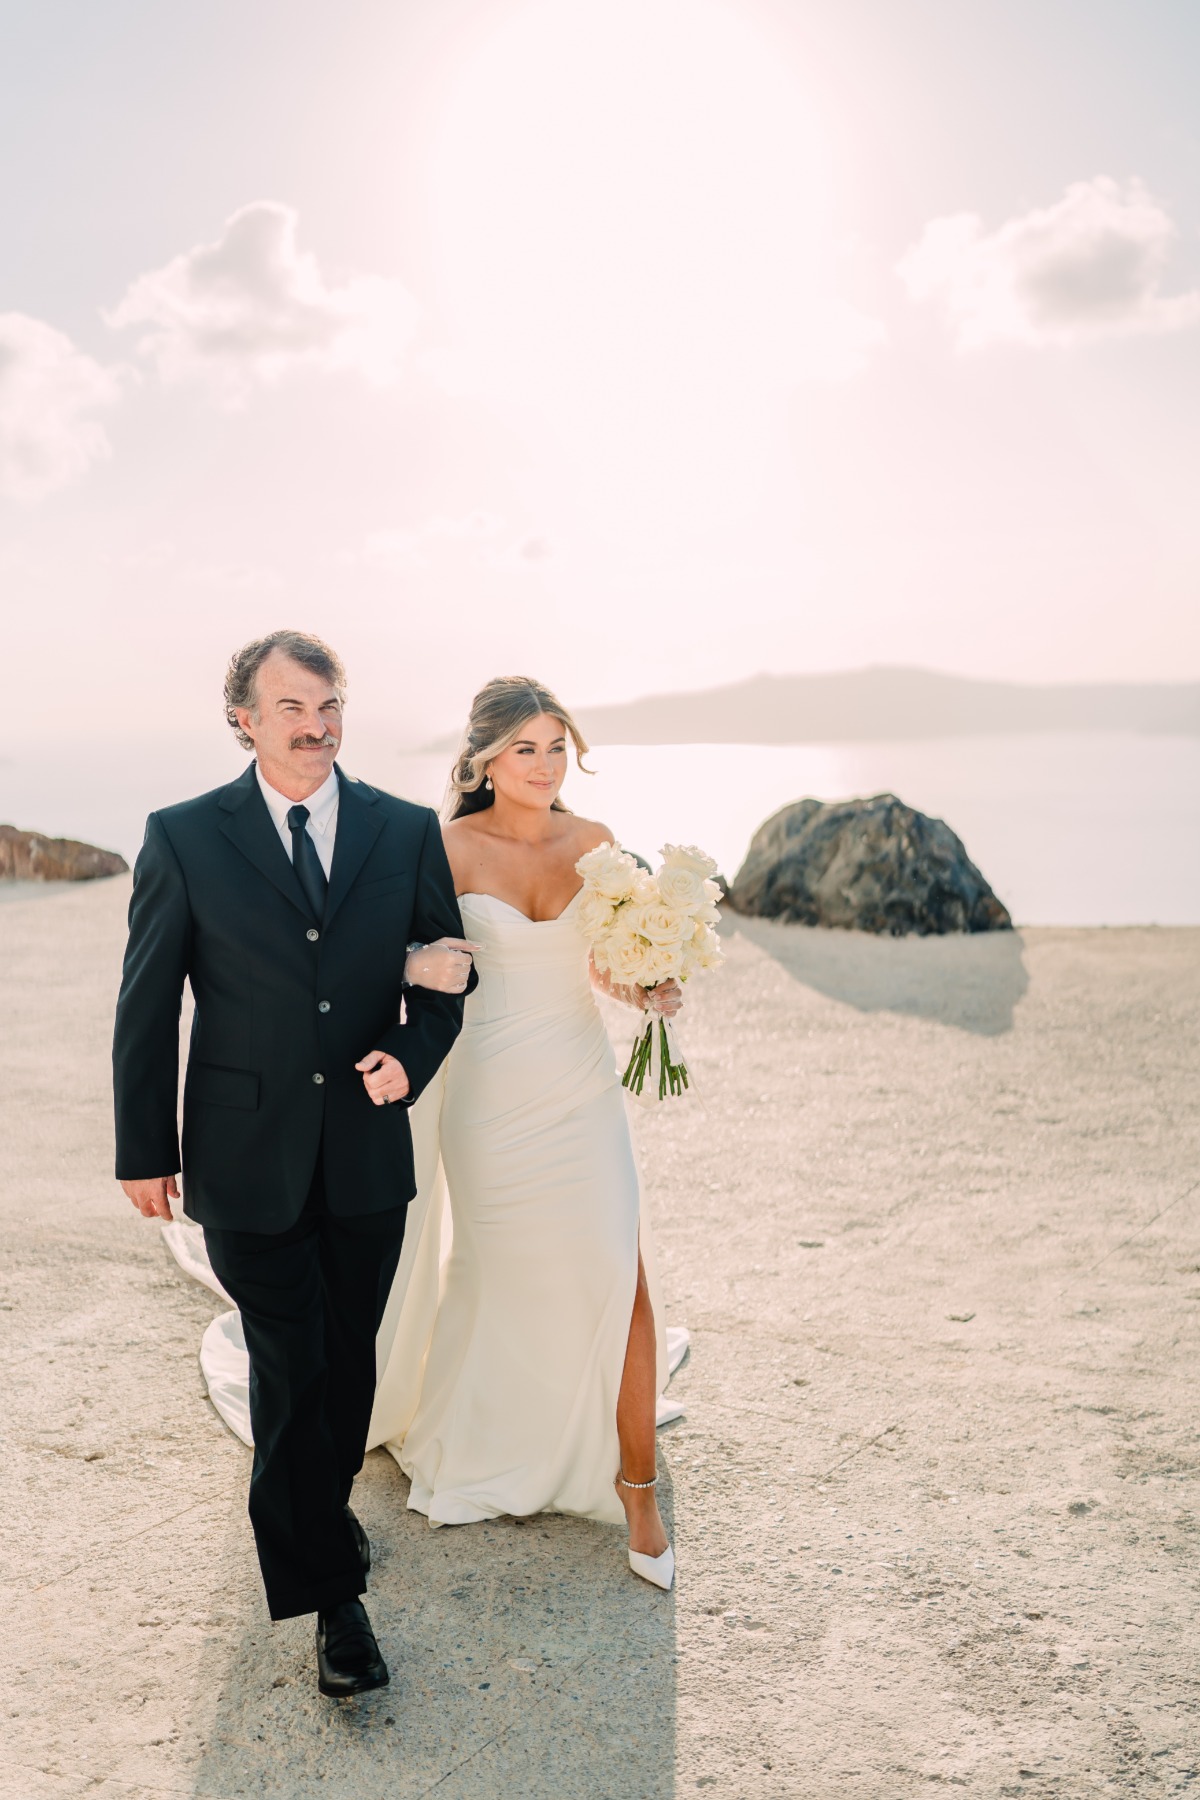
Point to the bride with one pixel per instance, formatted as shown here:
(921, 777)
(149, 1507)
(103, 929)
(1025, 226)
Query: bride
(539, 1388)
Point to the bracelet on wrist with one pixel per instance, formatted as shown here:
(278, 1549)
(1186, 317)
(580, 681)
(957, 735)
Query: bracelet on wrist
(409, 950)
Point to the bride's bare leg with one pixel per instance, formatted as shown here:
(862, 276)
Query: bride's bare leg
(635, 1427)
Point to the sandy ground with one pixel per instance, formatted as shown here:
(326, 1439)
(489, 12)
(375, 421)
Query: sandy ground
(935, 1231)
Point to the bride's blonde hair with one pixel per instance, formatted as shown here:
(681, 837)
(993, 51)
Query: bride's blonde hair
(498, 712)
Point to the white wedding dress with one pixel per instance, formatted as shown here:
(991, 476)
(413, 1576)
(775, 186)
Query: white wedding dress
(502, 1347)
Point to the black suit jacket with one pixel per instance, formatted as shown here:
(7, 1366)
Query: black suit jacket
(286, 1004)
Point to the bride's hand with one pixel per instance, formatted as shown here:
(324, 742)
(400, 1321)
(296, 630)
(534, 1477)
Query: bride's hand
(444, 966)
(665, 999)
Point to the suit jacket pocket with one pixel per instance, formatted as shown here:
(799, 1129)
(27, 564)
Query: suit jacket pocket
(223, 1087)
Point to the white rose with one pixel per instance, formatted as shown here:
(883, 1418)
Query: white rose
(645, 889)
(689, 953)
(595, 914)
(704, 950)
(687, 856)
(607, 870)
(626, 957)
(662, 962)
(661, 925)
(682, 889)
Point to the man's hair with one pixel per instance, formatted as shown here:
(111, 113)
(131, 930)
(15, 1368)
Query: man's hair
(241, 677)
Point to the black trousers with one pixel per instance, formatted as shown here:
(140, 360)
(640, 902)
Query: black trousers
(311, 1299)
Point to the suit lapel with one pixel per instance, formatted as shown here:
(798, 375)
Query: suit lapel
(359, 823)
(248, 825)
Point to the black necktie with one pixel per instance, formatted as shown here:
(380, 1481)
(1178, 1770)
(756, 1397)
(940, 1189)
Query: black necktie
(306, 862)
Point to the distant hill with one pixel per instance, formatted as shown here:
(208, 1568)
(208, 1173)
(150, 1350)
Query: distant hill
(889, 703)
(866, 704)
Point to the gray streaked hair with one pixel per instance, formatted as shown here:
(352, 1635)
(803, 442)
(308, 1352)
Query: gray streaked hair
(498, 712)
(241, 677)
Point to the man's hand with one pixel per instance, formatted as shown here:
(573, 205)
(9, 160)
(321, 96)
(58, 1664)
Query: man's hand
(153, 1197)
(383, 1077)
(443, 966)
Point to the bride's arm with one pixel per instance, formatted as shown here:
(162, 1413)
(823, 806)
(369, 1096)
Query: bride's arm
(628, 994)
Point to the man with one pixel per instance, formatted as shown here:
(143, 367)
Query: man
(288, 899)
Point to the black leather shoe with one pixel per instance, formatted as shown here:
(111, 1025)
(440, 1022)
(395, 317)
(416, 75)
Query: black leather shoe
(348, 1659)
(362, 1540)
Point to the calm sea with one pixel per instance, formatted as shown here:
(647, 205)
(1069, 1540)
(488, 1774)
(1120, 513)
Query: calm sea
(1070, 829)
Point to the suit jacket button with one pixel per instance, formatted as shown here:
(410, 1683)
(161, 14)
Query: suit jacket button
(312, 934)
(322, 1006)
(318, 1078)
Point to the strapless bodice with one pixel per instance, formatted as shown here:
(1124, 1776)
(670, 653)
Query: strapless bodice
(532, 1034)
(526, 966)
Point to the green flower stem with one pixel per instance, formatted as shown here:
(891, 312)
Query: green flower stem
(673, 1076)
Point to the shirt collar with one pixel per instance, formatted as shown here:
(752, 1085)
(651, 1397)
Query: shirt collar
(322, 806)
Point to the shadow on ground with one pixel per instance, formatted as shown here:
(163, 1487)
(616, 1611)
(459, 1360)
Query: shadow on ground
(972, 983)
(525, 1657)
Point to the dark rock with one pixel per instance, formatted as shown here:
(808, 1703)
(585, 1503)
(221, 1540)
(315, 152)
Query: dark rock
(28, 856)
(864, 865)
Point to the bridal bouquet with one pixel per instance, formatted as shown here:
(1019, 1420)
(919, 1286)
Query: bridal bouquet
(645, 929)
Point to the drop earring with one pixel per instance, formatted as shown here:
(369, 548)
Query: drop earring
(487, 782)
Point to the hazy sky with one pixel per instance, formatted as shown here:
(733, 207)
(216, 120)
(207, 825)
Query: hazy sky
(629, 343)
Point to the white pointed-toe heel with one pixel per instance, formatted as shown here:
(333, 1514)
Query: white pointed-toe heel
(658, 1570)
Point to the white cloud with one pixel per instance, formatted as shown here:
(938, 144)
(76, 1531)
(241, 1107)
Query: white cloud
(1087, 267)
(252, 308)
(48, 390)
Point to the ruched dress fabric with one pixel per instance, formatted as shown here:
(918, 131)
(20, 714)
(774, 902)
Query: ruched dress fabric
(518, 1400)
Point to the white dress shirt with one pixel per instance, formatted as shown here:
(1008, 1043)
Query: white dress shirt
(322, 815)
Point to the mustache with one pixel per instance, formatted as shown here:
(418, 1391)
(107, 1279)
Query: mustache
(328, 742)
